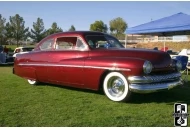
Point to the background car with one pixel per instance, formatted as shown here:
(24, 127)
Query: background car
(22, 50)
(185, 52)
(5, 57)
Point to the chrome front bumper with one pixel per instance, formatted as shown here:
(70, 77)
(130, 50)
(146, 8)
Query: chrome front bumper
(148, 84)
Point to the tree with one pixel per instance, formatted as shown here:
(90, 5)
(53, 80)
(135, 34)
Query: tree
(2, 28)
(38, 31)
(54, 29)
(105, 28)
(118, 26)
(9, 32)
(99, 26)
(72, 28)
(18, 28)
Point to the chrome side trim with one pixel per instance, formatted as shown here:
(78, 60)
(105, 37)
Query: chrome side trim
(154, 78)
(75, 66)
(149, 88)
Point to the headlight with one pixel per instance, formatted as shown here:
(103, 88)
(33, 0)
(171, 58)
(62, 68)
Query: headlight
(147, 67)
(178, 65)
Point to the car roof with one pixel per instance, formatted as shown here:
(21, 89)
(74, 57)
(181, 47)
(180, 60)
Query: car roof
(78, 33)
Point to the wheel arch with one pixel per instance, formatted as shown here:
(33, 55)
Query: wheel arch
(103, 75)
(101, 80)
(28, 73)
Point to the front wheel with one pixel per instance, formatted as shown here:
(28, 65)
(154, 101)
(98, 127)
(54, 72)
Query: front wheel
(116, 87)
(32, 82)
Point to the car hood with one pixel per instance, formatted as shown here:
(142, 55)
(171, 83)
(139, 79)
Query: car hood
(157, 58)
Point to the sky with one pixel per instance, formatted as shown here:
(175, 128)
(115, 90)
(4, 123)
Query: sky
(82, 14)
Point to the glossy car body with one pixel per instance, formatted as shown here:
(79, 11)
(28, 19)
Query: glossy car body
(78, 59)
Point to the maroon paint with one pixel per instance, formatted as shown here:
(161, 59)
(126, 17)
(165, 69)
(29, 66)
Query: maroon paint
(86, 76)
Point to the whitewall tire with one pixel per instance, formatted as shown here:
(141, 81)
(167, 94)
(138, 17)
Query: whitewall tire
(32, 82)
(115, 87)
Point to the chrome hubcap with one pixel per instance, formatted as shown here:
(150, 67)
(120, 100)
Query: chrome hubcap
(116, 86)
(31, 81)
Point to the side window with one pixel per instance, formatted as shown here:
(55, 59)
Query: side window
(65, 43)
(91, 44)
(47, 45)
(64, 46)
(79, 45)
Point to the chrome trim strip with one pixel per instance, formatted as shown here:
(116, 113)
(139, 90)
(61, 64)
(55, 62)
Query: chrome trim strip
(76, 66)
(149, 88)
(154, 78)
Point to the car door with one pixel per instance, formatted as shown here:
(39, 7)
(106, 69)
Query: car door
(67, 61)
(40, 59)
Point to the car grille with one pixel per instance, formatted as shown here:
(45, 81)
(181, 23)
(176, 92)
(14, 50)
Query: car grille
(154, 78)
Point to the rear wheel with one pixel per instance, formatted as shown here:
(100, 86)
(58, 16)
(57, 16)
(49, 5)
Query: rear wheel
(116, 87)
(32, 82)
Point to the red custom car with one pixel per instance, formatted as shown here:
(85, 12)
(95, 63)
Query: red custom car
(92, 60)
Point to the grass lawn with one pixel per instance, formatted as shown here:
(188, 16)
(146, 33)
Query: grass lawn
(50, 105)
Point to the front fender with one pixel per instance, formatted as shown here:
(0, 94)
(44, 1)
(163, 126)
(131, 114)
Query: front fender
(127, 65)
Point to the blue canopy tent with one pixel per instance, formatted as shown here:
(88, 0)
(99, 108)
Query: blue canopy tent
(177, 24)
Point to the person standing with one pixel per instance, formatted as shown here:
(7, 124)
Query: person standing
(6, 50)
(1, 48)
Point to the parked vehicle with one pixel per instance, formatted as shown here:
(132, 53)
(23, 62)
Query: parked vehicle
(185, 52)
(91, 60)
(22, 50)
(5, 57)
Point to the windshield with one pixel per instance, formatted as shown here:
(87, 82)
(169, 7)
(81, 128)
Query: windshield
(103, 41)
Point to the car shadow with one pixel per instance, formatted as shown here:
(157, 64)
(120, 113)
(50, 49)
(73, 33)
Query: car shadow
(74, 89)
(6, 65)
(179, 94)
